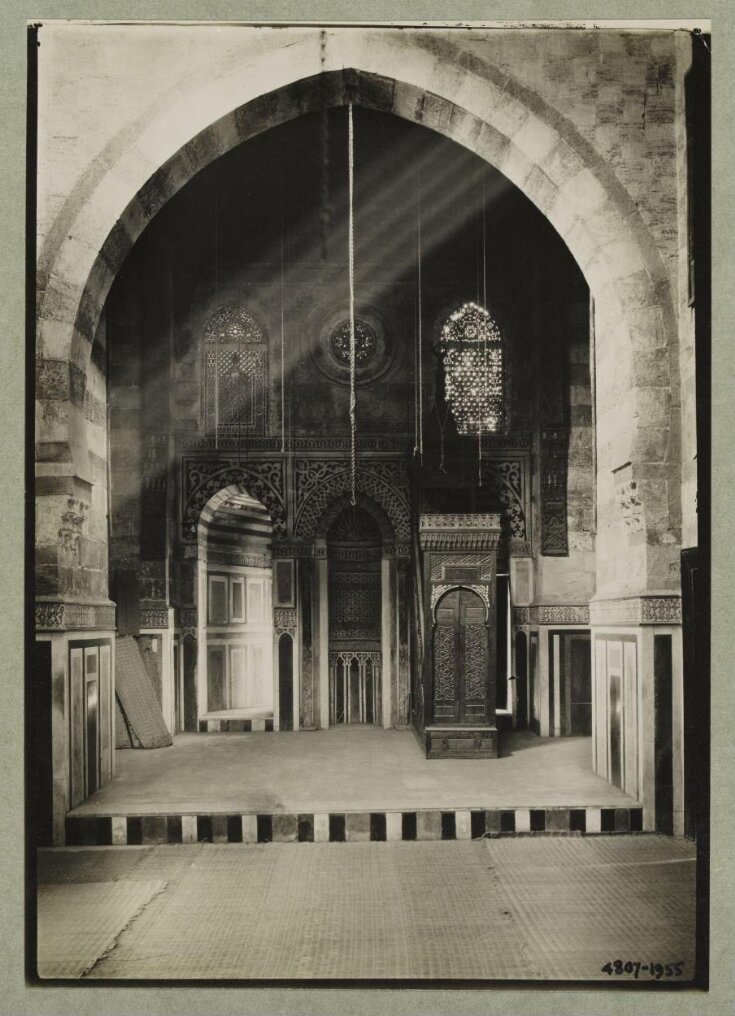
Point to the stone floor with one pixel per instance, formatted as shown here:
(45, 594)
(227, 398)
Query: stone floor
(522, 909)
(347, 769)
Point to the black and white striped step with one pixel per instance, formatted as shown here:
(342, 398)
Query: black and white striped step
(349, 827)
(224, 726)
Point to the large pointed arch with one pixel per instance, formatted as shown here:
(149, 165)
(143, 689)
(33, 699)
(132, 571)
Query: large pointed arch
(448, 88)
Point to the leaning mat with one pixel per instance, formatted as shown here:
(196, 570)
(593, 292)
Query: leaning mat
(137, 699)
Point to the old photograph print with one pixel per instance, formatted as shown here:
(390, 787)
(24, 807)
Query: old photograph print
(371, 575)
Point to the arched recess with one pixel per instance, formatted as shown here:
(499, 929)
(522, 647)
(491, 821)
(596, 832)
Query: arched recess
(383, 649)
(470, 100)
(368, 504)
(235, 608)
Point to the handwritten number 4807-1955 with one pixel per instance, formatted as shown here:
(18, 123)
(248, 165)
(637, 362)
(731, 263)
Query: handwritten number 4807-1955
(654, 970)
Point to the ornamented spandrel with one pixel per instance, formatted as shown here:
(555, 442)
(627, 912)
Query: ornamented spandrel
(445, 663)
(475, 662)
(317, 483)
(204, 477)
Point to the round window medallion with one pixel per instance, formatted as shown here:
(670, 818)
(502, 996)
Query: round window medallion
(366, 343)
(373, 353)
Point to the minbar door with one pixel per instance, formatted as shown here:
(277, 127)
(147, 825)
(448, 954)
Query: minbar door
(461, 660)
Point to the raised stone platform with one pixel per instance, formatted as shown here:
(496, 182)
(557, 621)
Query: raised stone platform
(350, 827)
(347, 783)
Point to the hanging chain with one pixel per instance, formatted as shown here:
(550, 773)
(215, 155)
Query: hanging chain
(484, 340)
(442, 427)
(419, 330)
(351, 268)
(283, 340)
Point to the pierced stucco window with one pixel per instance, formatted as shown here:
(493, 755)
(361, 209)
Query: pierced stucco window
(471, 347)
(235, 373)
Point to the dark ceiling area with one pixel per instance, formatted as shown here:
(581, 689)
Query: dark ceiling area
(283, 194)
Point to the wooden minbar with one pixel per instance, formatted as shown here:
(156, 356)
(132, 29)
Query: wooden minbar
(459, 554)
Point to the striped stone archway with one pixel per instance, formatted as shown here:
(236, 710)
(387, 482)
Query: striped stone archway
(436, 82)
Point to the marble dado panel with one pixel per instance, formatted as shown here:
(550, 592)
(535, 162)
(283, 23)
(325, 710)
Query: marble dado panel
(57, 616)
(635, 610)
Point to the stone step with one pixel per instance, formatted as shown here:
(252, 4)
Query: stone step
(236, 726)
(460, 824)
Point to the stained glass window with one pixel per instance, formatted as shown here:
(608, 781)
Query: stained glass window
(472, 349)
(235, 363)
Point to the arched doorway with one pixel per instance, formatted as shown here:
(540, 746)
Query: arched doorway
(354, 552)
(235, 617)
(463, 692)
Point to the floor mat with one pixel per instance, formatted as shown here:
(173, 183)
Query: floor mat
(78, 924)
(63, 865)
(137, 698)
(419, 910)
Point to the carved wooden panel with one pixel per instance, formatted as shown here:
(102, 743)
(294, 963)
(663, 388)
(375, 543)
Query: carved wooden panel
(475, 662)
(445, 663)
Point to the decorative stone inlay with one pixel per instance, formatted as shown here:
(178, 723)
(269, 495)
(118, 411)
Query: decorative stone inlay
(70, 532)
(520, 548)
(631, 506)
(55, 616)
(562, 613)
(320, 482)
(223, 555)
(156, 618)
(198, 442)
(187, 617)
(509, 479)
(483, 565)
(552, 613)
(635, 610)
(288, 549)
(284, 619)
(464, 521)
(307, 688)
(554, 452)
(439, 590)
(459, 532)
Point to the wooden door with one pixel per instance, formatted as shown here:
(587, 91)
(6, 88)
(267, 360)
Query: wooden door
(580, 685)
(461, 659)
(521, 675)
(285, 682)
